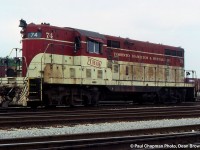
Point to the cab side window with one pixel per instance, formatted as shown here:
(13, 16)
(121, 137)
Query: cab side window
(94, 46)
(77, 43)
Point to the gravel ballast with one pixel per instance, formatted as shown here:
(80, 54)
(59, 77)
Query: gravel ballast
(90, 128)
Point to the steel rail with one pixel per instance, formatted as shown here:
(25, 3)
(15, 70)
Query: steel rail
(45, 119)
(168, 136)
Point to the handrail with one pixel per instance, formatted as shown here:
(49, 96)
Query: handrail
(26, 65)
(12, 51)
(43, 56)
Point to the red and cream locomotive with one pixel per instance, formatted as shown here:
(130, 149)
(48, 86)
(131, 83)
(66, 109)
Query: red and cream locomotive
(68, 66)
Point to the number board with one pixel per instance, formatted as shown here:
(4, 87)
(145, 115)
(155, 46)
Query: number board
(34, 35)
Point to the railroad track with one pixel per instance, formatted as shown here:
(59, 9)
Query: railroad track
(168, 137)
(104, 106)
(29, 119)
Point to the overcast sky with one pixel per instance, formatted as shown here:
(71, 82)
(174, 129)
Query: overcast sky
(170, 22)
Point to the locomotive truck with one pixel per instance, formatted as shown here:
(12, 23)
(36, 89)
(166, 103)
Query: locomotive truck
(70, 66)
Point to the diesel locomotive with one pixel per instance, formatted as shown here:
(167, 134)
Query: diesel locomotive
(70, 66)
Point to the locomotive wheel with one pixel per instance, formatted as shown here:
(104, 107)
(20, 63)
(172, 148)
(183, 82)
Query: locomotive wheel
(34, 106)
(5, 104)
(46, 101)
(139, 100)
(86, 101)
(95, 99)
